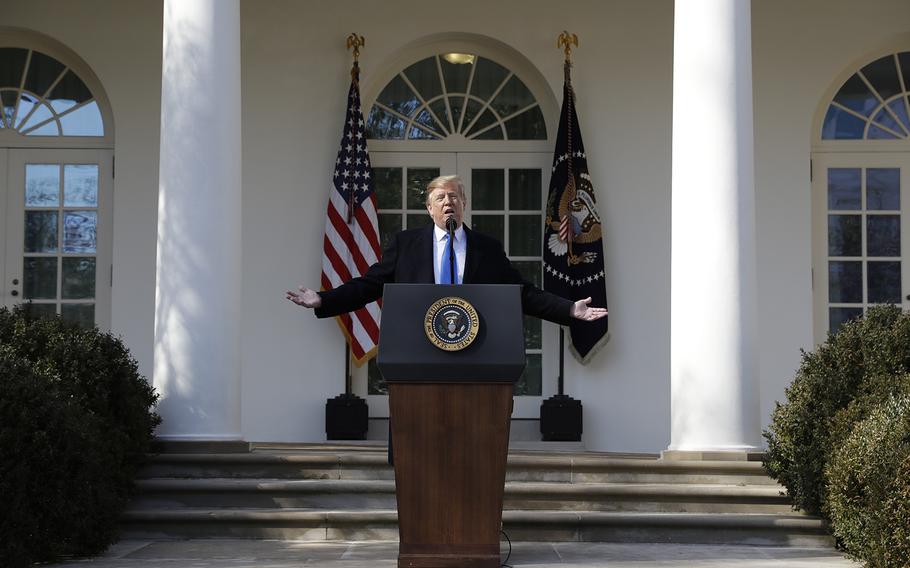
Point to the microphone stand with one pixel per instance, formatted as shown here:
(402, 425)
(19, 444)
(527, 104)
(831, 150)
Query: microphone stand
(450, 225)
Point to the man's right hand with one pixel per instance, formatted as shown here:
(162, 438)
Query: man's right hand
(305, 297)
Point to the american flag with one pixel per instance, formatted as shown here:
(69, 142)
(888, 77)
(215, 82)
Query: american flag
(351, 242)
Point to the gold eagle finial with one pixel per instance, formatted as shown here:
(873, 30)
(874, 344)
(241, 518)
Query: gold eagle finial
(566, 41)
(356, 41)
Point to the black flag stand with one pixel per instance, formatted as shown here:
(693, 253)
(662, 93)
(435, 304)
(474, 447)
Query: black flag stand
(347, 415)
(561, 416)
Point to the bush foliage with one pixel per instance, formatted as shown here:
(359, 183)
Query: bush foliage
(836, 386)
(75, 420)
(862, 475)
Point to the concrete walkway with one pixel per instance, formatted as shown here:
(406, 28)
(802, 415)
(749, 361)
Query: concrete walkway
(211, 553)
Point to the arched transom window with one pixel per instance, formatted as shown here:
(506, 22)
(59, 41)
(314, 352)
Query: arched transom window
(43, 97)
(456, 94)
(874, 103)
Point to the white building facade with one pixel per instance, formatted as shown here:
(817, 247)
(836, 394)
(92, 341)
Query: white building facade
(165, 168)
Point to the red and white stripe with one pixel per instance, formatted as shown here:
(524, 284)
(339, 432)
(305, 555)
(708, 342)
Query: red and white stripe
(348, 251)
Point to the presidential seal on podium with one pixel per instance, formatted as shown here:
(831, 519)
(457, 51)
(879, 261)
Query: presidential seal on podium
(451, 323)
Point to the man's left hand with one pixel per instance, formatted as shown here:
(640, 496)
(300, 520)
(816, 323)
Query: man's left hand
(581, 310)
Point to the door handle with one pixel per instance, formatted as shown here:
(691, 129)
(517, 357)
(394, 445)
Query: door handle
(14, 293)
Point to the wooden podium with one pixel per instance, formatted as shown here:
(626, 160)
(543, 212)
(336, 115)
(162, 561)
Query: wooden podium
(450, 413)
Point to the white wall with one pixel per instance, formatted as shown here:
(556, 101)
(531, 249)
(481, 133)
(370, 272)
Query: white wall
(121, 42)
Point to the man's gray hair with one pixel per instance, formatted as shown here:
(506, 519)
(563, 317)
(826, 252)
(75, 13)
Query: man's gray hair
(441, 181)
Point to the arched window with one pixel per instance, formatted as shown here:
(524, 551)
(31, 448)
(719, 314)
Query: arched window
(56, 181)
(873, 104)
(861, 193)
(43, 97)
(456, 93)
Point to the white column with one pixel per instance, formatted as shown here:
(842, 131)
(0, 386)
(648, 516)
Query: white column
(197, 294)
(713, 361)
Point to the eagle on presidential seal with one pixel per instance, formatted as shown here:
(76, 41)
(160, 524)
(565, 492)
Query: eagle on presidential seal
(574, 220)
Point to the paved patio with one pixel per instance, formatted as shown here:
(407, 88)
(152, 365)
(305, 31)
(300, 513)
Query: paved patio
(212, 553)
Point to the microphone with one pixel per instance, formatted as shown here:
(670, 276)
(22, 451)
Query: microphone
(450, 227)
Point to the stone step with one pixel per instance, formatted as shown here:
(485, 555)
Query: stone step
(527, 466)
(551, 526)
(378, 494)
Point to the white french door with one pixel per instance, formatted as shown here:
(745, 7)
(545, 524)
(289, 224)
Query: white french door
(506, 194)
(861, 234)
(56, 228)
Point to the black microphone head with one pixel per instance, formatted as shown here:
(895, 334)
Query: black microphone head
(451, 225)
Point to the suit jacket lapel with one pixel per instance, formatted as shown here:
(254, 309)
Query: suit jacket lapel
(473, 256)
(426, 275)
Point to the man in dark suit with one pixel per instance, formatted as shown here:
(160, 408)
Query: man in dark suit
(422, 255)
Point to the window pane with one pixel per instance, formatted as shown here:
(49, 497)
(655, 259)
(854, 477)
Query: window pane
(841, 125)
(883, 234)
(424, 118)
(80, 230)
(439, 108)
(40, 231)
(884, 118)
(383, 125)
(26, 103)
(81, 314)
(876, 133)
(494, 133)
(533, 333)
(416, 220)
(844, 189)
(488, 189)
(897, 105)
(530, 382)
(78, 278)
(487, 78)
(41, 114)
(492, 225)
(844, 235)
(425, 78)
(528, 125)
(883, 189)
(456, 103)
(84, 121)
(39, 278)
(80, 185)
(513, 97)
(8, 99)
(530, 270)
(389, 224)
(12, 64)
(525, 235)
(387, 182)
(524, 190)
(399, 97)
(419, 134)
(42, 185)
(884, 282)
(418, 180)
(485, 120)
(470, 112)
(375, 383)
(845, 282)
(837, 316)
(42, 72)
(855, 95)
(456, 75)
(70, 90)
(882, 74)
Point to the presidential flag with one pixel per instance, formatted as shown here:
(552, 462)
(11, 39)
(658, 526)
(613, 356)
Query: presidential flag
(573, 235)
(351, 242)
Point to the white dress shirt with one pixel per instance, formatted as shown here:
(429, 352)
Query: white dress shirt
(439, 249)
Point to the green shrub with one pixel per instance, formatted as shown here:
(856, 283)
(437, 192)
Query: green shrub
(861, 476)
(75, 421)
(897, 508)
(860, 361)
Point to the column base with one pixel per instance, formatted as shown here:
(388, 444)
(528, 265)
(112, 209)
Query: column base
(712, 455)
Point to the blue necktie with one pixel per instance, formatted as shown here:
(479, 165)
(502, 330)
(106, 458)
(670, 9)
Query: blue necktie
(445, 275)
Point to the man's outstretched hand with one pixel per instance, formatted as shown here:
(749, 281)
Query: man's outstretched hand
(581, 310)
(309, 298)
